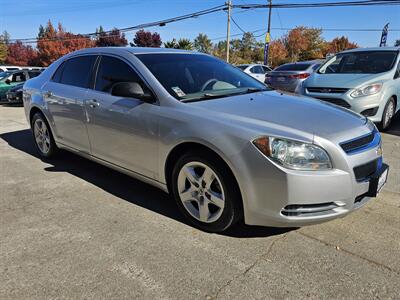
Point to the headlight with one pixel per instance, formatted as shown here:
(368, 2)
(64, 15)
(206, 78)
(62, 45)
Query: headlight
(367, 90)
(293, 154)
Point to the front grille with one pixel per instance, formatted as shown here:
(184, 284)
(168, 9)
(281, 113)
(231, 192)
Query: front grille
(358, 143)
(336, 101)
(309, 209)
(365, 171)
(326, 90)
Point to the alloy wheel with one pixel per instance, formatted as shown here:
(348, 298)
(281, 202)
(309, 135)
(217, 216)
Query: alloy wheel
(42, 136)
(201, 192)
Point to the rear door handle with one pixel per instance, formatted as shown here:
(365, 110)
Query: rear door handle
(93, 103)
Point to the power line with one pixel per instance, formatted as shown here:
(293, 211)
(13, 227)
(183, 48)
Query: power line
(224, 7)
(321, 4)
(136, 27)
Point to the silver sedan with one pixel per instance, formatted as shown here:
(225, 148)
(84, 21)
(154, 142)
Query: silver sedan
(222, 144)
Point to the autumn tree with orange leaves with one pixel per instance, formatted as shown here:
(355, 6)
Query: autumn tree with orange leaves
(277, 53)
(56, 42)
(21, 55)
(340, 44)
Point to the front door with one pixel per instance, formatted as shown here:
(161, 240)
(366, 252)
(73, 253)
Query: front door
(123, 131)
(65, 95)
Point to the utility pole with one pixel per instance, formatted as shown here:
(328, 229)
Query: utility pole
(268, 35)
(228, 30)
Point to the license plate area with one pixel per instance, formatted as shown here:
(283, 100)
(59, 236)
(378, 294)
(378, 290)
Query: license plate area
(378, 181)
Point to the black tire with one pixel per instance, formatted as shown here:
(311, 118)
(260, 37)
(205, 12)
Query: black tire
(385, 123)
(233, 209)
(52, 147)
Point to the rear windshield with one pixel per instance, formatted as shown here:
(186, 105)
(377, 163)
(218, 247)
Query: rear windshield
(293, 67)
(363, 62)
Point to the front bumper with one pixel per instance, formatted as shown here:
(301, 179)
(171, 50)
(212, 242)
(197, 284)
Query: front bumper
(279, 197)
(14, 97)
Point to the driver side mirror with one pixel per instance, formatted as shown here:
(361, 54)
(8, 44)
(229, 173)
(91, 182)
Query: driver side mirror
(131, 90)
(8, 81)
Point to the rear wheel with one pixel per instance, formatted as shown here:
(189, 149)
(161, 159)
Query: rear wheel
(206, 192)
(388, 114)
(43, 137)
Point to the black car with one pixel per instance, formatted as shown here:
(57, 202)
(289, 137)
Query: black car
(14, 94)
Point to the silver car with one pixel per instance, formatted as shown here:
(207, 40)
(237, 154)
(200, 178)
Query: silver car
(221, 143)
(366, 81)
(289, 77)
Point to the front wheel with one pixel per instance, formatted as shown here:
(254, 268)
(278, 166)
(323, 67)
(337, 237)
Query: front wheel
(43, 137)
(388, 114)
(206, 192)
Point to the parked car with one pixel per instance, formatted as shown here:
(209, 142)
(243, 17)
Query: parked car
(9, 68)
(222, 143)
(255, 70)
(12, 79)
(366, 81)
(288, 77)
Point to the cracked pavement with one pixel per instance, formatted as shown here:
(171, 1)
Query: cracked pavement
(70, 228)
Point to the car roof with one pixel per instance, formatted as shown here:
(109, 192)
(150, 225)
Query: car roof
(133, 50)
(372, 49)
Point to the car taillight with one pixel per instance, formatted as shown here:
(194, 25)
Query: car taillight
(300, 76)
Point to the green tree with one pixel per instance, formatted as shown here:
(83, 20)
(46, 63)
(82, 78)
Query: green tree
(3, 48)
(170, 44)
(184, 44)
(203, 44)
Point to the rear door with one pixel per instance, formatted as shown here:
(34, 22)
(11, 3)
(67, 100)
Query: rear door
(65, 94)
(122, 131)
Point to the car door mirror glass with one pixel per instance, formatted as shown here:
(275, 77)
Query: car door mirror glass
(131, 90)
(8, 81)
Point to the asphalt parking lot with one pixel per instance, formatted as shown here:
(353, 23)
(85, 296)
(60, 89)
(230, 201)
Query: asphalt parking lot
(70, 228)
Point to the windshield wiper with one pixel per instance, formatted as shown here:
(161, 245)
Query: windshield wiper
(205, 96)
(208, 96)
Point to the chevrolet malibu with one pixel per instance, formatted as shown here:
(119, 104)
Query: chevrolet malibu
(222, 144)
(366, 81)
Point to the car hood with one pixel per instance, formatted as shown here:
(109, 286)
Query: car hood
(349, 81)
(294, 114)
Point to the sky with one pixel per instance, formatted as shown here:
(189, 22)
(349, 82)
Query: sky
(21, 18)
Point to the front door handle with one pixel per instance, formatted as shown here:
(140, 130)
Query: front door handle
(48, 94)
(93, 103)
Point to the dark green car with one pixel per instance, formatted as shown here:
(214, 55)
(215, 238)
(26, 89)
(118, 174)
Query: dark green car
(9, 79)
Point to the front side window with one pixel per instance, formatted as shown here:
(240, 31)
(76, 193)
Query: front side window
(362, 62)
(76, 71)
(113, 70)
(192, 77)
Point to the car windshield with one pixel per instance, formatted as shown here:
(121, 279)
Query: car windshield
(194, 77)
(293, 67)
(362, 62)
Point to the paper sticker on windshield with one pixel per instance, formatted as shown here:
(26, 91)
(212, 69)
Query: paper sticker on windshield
(178, 91)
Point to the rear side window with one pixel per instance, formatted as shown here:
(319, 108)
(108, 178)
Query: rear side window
(266, 69)
(293, 67)
(113, 70)
(76, 71)
(257, 70)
